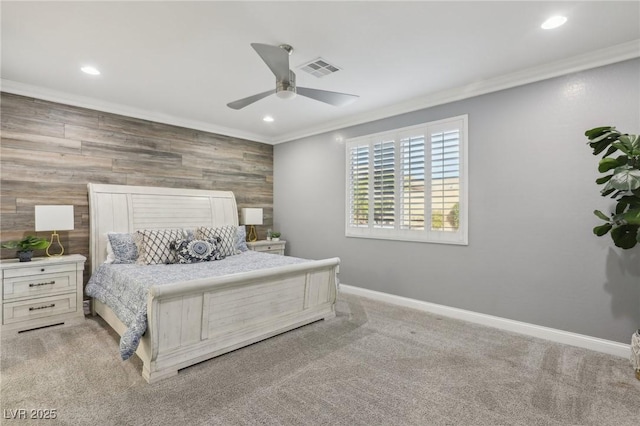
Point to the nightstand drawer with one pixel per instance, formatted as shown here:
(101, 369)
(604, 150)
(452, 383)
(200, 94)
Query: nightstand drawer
(35, 270)
(39, 308)
(270, 248)
(41, 285)
(265, 246)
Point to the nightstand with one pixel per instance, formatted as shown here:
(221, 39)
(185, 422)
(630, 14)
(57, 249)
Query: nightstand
(46, 291)
(275, 247)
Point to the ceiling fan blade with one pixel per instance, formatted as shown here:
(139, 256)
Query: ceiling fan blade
(241, 103)
(332, 98)
(276, 58)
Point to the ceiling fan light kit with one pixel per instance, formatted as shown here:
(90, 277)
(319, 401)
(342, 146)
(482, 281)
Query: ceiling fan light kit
(286, 89)
(277, 59)
(288, 93)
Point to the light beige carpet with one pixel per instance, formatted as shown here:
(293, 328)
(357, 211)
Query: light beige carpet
(374, 364)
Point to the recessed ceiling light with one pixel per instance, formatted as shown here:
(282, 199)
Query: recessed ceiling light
(267, 118)
(90, 70)
(553, 22)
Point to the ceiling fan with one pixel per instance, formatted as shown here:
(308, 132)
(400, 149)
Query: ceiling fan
(277, 59)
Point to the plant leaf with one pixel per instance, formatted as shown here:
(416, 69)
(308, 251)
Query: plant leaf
(597, 131)
(632, 216)
(600, 146)
(602, 229)
(625, 236)
(633, 200)
(625, 179)
(622, 147)
(632, 142)
(607, 164)
(40, 245)
(621, 206)
(607, 190)
(601, 215)
(610, 151)
(622, 160)
(600, 138)
(603, 179)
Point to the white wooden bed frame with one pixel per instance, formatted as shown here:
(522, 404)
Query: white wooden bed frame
(195, 320)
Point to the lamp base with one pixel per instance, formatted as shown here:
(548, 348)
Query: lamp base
(57, 238)
(252, 236)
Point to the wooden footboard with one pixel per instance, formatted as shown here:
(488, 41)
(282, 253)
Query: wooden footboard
(193, 321)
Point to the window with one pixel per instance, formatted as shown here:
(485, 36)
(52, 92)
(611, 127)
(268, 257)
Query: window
(409, 183)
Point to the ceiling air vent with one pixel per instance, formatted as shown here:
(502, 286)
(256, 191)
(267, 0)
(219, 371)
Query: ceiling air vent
(319, 67)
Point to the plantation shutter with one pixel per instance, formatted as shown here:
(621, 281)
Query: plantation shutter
(445, 180)
(358, 163)
(384, 184)
(412, 181)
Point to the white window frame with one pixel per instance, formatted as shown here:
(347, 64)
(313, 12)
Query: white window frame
(460, 236)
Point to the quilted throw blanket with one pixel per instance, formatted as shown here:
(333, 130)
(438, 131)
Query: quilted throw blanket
(124, 287)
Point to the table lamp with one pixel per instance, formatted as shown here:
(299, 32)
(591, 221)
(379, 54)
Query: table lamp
(251, 217)
(54, 218)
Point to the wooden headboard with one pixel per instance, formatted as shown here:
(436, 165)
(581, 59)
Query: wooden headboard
(123, 208)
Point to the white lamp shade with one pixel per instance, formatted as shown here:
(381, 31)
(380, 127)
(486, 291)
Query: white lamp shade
(251, 216)
(54, 218)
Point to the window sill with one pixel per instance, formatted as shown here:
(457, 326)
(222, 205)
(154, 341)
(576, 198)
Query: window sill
(458, 242)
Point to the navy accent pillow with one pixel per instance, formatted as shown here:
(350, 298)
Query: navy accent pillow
(194, 251)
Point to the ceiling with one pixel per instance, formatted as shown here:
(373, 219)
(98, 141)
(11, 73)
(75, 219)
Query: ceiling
(182, 62)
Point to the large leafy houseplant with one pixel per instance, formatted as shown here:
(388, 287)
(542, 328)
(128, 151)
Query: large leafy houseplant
(621, 182)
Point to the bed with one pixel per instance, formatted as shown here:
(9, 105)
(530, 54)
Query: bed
(197, 319)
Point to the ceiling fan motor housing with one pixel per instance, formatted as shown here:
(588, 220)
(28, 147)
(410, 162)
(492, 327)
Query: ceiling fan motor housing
(286, 89)
(277, 59)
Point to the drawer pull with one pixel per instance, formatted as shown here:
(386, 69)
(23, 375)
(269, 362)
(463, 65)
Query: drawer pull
(39, 284)
(43, 307)
(42, 270)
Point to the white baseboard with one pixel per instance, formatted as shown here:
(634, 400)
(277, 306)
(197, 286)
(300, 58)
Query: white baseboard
(560, 336)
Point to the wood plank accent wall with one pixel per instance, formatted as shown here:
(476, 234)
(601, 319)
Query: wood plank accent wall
(49, 152)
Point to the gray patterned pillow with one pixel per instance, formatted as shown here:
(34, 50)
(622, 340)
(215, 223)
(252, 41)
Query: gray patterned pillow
(227, 235)
(241, 239)
(154, 245)
(194, 251)
(123, 247)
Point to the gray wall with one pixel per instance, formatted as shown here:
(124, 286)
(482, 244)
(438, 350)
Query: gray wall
(531, 255)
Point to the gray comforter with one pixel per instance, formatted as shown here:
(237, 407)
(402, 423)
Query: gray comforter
(124, 287)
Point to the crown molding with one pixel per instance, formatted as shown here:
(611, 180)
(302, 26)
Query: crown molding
(17, 88)
(598, 58)
(595, 59)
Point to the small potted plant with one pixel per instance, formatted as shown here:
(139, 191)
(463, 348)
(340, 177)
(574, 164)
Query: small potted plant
(275, 236)
(26, 246)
